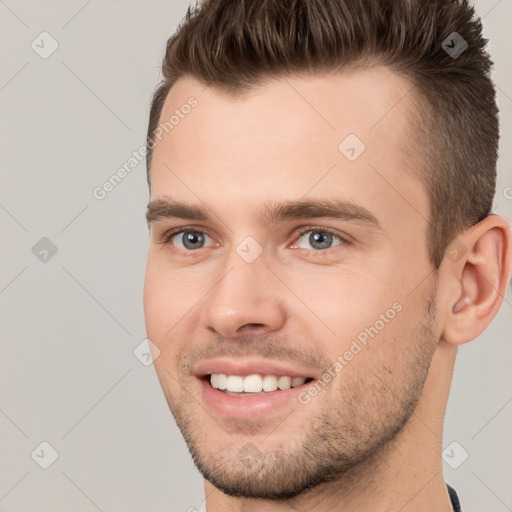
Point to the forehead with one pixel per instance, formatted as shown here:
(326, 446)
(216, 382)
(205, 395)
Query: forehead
(345, 134)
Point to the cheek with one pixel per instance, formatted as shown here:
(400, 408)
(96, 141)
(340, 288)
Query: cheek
(169, 297)
(346, 301)
(171, 304)
(156, 296)
(356, 316)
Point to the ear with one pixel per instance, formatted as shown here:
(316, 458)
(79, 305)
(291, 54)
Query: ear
(473, 279)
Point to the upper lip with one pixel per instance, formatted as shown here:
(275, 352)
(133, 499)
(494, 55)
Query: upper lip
(250, 366)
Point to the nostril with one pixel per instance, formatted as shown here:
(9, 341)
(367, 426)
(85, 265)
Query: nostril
(251, 326)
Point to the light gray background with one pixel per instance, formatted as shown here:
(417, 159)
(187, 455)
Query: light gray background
(69, 326)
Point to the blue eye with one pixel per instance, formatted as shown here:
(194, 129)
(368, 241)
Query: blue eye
(190, 240)
(318, 240)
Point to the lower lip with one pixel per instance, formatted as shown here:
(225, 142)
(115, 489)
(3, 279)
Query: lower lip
(245, 407)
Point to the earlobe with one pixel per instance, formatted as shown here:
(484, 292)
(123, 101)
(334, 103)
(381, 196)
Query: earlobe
(478, 281)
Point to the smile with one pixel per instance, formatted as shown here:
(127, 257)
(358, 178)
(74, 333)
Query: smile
(253, 384)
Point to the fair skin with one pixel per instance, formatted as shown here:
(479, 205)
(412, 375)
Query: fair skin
(376, 429)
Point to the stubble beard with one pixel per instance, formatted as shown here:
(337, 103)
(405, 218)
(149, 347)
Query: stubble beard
(357, 421)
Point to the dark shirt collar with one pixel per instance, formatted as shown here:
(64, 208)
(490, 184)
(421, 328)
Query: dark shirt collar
(451, 491)
(454, 498)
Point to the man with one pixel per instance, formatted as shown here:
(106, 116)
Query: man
(321, 176)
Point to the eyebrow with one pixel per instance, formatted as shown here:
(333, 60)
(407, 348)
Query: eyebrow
(271, 212)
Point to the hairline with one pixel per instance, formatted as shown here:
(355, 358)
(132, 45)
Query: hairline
(246, 89)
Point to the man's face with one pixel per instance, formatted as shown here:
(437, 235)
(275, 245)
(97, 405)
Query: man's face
(267, 282)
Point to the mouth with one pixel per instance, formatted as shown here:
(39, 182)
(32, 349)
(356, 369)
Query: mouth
(254, 384)
(252, 387)
(246, 397)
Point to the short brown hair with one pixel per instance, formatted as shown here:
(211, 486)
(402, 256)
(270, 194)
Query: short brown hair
(236, 44)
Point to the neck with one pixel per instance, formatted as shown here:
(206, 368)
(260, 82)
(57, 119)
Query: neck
(406, 474)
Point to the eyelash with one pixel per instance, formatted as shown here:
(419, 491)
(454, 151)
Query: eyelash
(167, 237)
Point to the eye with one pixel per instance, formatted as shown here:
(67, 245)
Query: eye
(190, 240)
(317, 240)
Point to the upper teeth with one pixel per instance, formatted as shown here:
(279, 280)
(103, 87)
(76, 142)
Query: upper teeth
(254, 383)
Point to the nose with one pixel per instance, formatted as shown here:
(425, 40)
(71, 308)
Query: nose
(245, 300)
